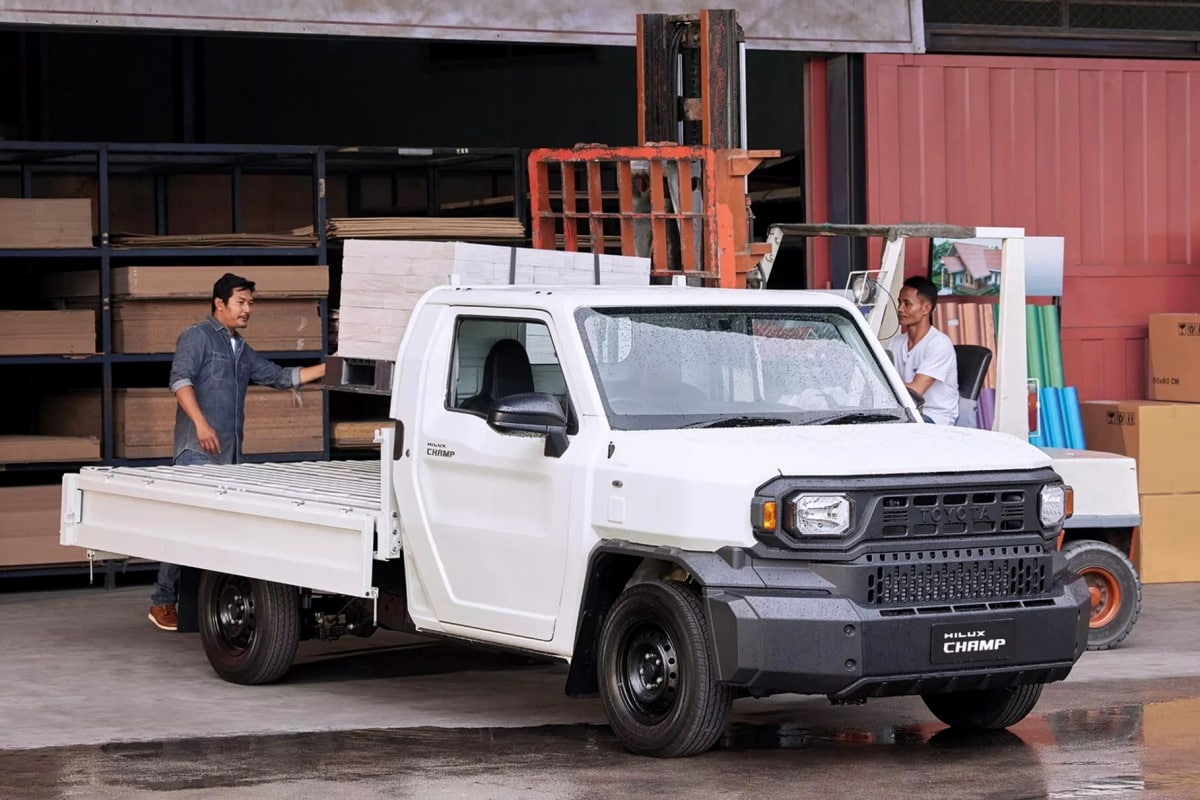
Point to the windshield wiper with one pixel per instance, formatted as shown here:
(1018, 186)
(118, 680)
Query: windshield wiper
(739, 422)
(854, 418)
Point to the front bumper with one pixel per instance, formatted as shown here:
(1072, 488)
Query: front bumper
(779, 641)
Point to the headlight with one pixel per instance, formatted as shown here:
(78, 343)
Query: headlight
(820, 514)
(1052, 505)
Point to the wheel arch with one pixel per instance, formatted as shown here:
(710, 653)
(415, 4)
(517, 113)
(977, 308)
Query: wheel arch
(612, 567)
(1120, 537)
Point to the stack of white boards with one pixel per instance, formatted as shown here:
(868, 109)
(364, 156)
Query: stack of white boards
(383, 280)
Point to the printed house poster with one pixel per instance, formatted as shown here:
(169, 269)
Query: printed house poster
(972, 266)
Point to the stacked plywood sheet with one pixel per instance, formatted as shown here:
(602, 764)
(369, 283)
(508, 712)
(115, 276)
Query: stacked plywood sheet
(49, 449)
(357, 434)
(45, 223)
(143, 326)
(505, 228)
(29, 527)
(69, 332)
(154, 304)
(297, 238)
(382, 281)
(144, 420)
(176, 282)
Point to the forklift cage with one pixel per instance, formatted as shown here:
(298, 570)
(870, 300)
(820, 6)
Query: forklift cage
(684, 207)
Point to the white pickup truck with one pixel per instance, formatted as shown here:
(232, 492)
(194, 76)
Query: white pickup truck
(690, 495)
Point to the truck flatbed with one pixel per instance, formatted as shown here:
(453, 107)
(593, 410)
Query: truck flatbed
(312, 521)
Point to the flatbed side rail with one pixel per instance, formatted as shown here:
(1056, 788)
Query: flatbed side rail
(315, 544)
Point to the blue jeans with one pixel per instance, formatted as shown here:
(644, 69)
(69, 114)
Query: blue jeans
(166, 587)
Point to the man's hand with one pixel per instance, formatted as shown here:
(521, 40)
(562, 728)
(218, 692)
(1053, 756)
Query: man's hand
(186, 396)
(208, 437)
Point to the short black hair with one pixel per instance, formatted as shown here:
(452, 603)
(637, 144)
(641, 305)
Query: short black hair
(925, 288)
(226, 285)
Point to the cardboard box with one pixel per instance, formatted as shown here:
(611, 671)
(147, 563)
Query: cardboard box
(38, 223)
(36, 333)
(144, 420)
(153, 326)
(1174, 363)
(1161, 436)
(44, 449)
(29, 527)
(1168, 544)
(152, 282)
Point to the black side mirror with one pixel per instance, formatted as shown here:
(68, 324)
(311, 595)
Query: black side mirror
(531, 414)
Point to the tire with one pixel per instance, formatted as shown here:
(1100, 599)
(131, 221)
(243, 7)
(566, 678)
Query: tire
(1115, 588)
(250, 628)
(985, 709)
(657, 675)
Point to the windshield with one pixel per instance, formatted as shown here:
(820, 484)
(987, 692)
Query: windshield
(721, 367)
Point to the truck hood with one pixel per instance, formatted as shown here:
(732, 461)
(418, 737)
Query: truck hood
(692, 489)
(829, 450)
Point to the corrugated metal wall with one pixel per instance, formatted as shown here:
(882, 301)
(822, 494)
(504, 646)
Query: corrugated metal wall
(1102, 152)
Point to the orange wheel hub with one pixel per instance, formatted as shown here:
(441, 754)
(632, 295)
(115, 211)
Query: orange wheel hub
(1106, 595)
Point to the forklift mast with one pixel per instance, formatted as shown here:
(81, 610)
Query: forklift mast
(679, 196)
(689, 79)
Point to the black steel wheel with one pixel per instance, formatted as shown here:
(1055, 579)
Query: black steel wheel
(1114, 586)
(250, 628)
(656, 673)
(985, 709)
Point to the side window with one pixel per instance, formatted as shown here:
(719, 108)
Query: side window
(494, 358)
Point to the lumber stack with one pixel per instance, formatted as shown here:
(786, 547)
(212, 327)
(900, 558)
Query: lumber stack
(37, 223)
(177, 282)
(382, 282)
(152, 305)
(19, 449)
(144, 420)
(296, 238)
(357, 434)
(67, 332)
(468, 228)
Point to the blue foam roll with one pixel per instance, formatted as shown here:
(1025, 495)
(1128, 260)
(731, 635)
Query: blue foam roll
(1051, 401)
(1075, 437)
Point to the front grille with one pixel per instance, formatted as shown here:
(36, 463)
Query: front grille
(957, 576)
(954, 513)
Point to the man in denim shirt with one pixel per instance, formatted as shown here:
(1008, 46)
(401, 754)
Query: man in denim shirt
(212, 368)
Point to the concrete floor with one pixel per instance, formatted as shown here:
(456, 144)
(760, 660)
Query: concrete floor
(97, 703)
(86, 667)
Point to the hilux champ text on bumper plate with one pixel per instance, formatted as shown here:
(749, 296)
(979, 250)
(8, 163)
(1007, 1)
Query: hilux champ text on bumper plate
(972, 641)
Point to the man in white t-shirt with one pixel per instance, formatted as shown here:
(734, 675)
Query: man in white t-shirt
(924, 355)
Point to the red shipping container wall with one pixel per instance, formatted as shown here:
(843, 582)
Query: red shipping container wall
(1103, 152)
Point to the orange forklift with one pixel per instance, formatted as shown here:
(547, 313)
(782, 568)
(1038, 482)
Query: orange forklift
(681, 200)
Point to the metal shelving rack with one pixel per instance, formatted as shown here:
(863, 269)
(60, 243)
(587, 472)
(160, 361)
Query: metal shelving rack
(159, 161)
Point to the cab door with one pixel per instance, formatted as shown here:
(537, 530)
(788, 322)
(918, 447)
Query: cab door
(496, 508)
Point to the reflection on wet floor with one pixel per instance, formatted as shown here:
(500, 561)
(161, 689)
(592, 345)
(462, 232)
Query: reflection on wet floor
(1120, 752)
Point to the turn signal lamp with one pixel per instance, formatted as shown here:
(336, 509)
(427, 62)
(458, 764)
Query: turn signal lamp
(770, 520)
(764, 515)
